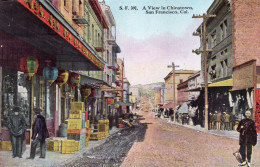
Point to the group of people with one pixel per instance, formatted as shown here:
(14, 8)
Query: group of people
(17, 127)
(222, 121)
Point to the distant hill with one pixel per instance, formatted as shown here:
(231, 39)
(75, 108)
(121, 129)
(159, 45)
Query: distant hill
(149, 89)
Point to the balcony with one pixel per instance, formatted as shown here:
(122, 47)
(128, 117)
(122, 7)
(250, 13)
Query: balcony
(79, 20)
(111, 40)
(99, 48)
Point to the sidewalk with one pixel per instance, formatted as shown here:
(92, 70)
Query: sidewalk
(53, 159)
(229, 134)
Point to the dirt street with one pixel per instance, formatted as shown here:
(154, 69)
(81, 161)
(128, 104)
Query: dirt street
(169, 145)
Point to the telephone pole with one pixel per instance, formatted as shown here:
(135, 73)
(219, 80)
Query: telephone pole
(204, 36)
(173, 82)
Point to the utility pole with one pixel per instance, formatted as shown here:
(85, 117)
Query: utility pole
(173, 82)
(204, 35)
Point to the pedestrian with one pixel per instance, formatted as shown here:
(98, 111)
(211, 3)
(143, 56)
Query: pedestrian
(17, 127)
(227, 121)
(40, 133)
(218, 120)
(223, 121)
(232, 120)
(247, 138)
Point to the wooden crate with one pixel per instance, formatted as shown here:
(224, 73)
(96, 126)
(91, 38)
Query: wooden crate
(77, 145)
(75, 116)
(53, 146)
(5, 145)
(75, 124)
(77, 106)
(68, 147)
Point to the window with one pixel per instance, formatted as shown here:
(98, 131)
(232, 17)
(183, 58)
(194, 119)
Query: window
(222, 53)
(221, 32)
(108, 58)
(213, 39)
(212, 72)
(181, 80)
(225, 28)
(65, 3)
(92, 31)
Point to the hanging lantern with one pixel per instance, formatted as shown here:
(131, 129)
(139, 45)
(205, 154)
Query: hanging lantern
(112, 101)
(29, 65)
(50, 74)
(93, 93)
(62, 77)
(85, 91)
(109, 100)
(74, 79)
(116, 105)
(124, 107)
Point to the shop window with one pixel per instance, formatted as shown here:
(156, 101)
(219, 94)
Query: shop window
(16, 90)
(43, 96)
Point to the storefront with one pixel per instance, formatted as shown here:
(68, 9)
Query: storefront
(36, 29)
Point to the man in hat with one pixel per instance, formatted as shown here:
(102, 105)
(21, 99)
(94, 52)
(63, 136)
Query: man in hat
(247, 138)
(40, 133)
(17, 127)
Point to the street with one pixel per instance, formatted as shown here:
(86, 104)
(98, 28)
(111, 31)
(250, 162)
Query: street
(157, 143)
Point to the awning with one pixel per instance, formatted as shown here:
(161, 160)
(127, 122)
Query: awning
(184, 108)
(123, 103)
(168, 105)
(228, 82)
(46, 29)
(193, 90)
(92, 81)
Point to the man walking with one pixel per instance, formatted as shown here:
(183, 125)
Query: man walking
(40, 133)
(247, 138)
(17, 127)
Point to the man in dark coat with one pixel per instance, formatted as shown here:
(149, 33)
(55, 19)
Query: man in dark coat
(247, 138)
(17, 127)
(40, 133)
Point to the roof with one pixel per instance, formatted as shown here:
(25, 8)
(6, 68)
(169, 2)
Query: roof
(180, 72)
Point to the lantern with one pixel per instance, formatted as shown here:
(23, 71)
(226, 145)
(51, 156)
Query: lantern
(62, 77)
(112, 101)
(29, 65)
(109, 101)
(116, 106)
(124, 107)
(74, 79)
(85, 91)
(50, 74)
(93, 93)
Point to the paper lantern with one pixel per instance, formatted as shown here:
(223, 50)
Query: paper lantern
(29, 65)
(50, 74)
(85, 91)
(109, 100)
(112, 101)
(124, 107)
(74, 79)
(93, 93)
(62, 77)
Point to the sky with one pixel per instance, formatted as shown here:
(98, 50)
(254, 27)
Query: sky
(149, 41)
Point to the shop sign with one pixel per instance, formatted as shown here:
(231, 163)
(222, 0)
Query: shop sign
(244, 76)
(38, 10)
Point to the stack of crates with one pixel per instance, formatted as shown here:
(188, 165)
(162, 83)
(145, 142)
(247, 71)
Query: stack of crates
(120, 122)
(107, 128)
(5, 145)
(76, 124)
(68, 147)
(95, 135)
(102, 128)
(77, 145)
(87, 141)
(53, 146)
